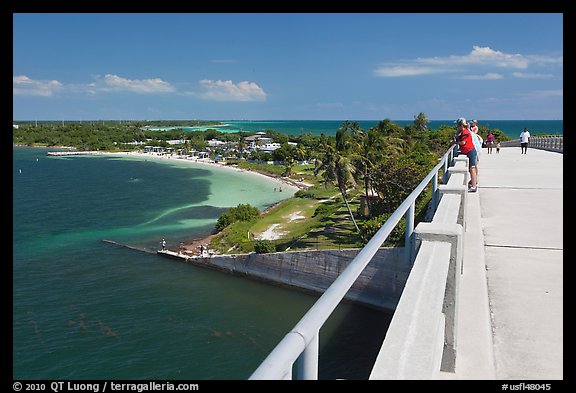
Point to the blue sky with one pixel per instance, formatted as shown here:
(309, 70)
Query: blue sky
(287, 66)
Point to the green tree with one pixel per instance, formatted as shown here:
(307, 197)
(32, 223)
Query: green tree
(335, 167)
(242, 212)
(264, 247)
(289, 164)
(421, 122)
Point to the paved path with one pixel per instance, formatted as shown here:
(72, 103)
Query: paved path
(511, 301)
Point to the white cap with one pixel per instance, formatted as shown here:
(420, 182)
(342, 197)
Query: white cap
(462, 121)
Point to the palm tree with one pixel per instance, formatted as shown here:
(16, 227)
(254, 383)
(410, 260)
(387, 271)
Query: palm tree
(241, 144)
(421, 122)
(302, 152)
(345, 177)
(337, 167)
(289, 163)
(367, 149)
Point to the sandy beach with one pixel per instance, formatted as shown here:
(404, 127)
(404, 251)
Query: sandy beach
(288, 184)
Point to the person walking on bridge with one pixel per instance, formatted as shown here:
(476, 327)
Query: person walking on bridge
(465, 142)
(524, 140)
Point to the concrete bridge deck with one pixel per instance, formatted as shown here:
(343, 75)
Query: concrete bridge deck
(510, 320)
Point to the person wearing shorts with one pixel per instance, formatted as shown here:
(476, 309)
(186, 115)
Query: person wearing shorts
(524, 140)
(465, 143)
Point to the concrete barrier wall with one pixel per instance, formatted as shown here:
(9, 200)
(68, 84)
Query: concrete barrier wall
(380, 284)
(421, 338)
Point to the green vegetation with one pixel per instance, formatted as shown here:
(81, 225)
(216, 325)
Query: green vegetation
(100, 135)
(242, 212)
(385, 163)
(264, 247)
(357, 178)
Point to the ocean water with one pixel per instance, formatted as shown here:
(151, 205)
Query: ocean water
(85, 309)
(511, 128)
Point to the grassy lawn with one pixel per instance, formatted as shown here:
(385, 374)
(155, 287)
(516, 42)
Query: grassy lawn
(320, 221)
(293, 215)
(335, 231)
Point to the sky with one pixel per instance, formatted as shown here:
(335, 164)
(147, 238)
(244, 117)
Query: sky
(283, 66)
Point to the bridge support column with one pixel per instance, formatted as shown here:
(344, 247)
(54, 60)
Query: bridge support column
(453, 234)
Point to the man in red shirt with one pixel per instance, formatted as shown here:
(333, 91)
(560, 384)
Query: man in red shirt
(466, 146)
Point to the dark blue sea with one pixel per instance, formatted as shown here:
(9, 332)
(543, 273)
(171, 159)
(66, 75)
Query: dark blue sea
(85, 309)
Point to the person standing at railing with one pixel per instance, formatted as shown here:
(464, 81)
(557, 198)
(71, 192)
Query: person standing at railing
(465, 142)
(478, 142)
(524, 140)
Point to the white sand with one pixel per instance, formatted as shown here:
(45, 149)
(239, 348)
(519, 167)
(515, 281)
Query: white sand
(295, 216)
(271, 233)
(285, 183)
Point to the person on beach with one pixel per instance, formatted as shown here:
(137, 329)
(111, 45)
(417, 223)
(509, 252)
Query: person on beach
(465, 142)
(498, 147)
(524, 140)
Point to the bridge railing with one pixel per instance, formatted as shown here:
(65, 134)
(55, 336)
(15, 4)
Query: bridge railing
(301, 344)
(548, 142)
(421, 339)
(544, 142)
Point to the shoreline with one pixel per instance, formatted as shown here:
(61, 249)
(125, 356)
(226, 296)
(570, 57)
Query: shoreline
(189, 246)
(203, 162)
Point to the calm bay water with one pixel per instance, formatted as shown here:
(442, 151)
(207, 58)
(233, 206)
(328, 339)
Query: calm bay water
(84, 309)
(511, 128)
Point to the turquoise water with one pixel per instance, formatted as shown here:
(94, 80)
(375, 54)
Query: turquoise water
(84, 309)
(511, 128)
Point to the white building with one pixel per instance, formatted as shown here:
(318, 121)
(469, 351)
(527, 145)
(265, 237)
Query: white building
(257, 140)
(216, 143)
(269, 147)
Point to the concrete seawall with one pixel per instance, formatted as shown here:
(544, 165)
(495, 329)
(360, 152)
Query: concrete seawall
(380, 284)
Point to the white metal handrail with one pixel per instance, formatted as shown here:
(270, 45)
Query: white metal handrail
(301, 343)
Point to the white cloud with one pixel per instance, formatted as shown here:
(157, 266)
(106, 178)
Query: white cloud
(480, 56)
(542, 94)
(24, 86)
(220, 90)
(116, 83)
(484, 58)
(490, 76)
(405, 70)
(527, 75)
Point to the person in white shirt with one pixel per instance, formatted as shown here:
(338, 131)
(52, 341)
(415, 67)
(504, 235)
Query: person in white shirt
(524, 139)
(478, 141)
